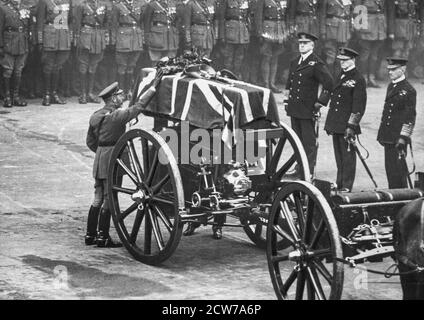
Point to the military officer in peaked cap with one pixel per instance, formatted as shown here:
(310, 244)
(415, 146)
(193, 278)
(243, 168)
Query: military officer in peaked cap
(306, 73)
(346, 108)
(397, 122)
(107, 125)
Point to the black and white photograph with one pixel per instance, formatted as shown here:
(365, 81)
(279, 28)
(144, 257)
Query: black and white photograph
(211, 156)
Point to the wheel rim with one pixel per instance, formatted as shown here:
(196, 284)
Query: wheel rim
(146, 196)
(285, 154)
(308, 269)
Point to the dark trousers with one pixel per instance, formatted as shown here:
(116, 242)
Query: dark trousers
(304, 128)
(233, 57)
(395, 168)
(345, 161)
(369, 56)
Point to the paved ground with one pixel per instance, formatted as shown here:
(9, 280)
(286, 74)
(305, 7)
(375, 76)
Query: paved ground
(46, 189)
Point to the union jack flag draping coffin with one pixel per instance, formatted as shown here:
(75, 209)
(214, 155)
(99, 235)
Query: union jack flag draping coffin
(211, 104)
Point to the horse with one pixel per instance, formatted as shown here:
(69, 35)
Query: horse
(408, 239)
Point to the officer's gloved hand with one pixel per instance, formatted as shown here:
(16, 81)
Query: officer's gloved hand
(158, 77)
(401, 145)
(349, 134)
(317, 108)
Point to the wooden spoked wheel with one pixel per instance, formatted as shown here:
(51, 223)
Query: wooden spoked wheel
(309, 268)
(146, 196)
(285, 161)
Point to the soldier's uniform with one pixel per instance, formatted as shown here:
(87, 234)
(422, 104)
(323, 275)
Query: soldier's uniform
(371, 31)
(233, 30)
(272, 29)
(252, 58)
(305, 77)
(397, 121)
(160, 25)
(336, 25)
(199, 26)
(91, 37)
(32, 72)
(128, 38)
(14, 34)
(54, 36)
(107, 125)
(346, 108)
(304, 16)
(408, 25)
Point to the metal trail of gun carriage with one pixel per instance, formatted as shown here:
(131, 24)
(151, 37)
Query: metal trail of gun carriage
(308, 229)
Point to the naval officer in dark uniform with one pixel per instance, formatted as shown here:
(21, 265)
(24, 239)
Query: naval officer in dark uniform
(397, 122)
(107, 125)
(306, 73)
(347, 106)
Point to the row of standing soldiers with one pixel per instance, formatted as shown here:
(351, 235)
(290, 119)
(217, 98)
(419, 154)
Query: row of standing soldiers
(245, 36)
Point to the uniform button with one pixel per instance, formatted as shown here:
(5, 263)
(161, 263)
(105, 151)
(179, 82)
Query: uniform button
(298, 82)
(390, 111)
(337, 102)
(298, 89)
(336, 110)
(388, 117)
(387, 123)
(340, 96)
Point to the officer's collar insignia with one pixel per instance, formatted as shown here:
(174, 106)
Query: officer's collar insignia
(312, 63)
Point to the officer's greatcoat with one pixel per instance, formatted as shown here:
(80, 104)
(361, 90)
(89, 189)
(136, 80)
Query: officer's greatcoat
(90, 26)
(126, 26)
(14, 33)
(233, 17)
(160, 25)
(336, 20)
(348, 97)
(303, 83)
(399, 112)
(53, 25)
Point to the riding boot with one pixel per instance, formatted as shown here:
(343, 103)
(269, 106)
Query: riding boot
(272, 74)
(92, 220)
(218, 222)
(47, 80)
(7, 100)
(55, 97)
(103, 239)
(265, 72)
(83, 97)
(91, 97)
(191, 227)
(17, 100)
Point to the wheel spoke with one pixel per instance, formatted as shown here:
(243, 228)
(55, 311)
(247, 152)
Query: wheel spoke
(153, 168)
(316, 284)
(156, 230)
(283, 234)
(166, 221)
(320, 267)
(258, 230)
(160, 184)
(136, 227)
(145, 150)
(299, 212)
(148, 234)
(161, 200)
(128, 171)
(300, 287)
(124, 190)
(317, 236)
(135, 161)
(286, 286)
(129, 210)
(321, 253)
(284, 168)
(289, 219)
(277, 153)
(279, 258)
(309, 219)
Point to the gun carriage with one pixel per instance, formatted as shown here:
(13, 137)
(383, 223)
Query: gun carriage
(307, 228)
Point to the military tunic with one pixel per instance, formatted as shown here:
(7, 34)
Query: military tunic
(199, 25)
(304, 16)
(346, 108)
(407, 16)
(336, 24)
(398, 120)
(303, 84)
(160, 25)
(14, 37)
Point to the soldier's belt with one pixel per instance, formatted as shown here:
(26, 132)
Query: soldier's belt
(201, 24)
(241, 19)
(329, 16)
(89, 25)
(162, 24)
(306, 13)
(375, 12)
(128, 24)
(12, 29)
(406, 16)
